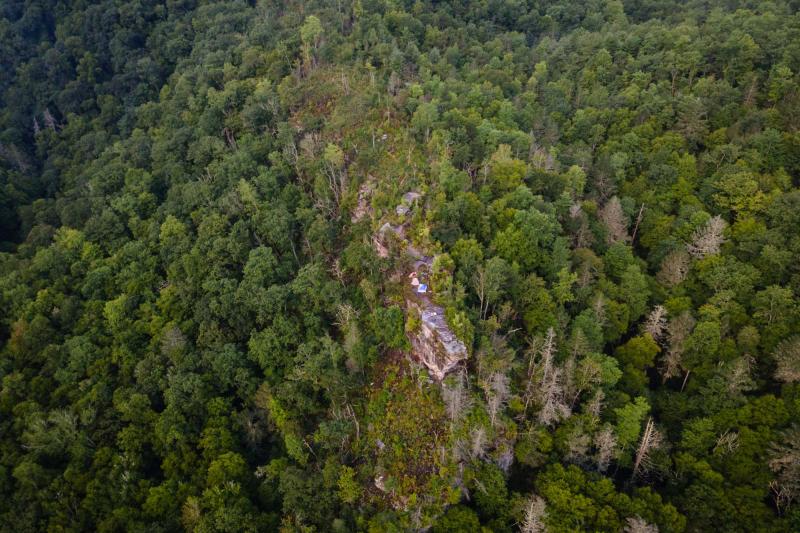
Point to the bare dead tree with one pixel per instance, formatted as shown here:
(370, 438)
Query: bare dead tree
(738, 375)
(727, 442)
(49, 120)
(656, 322)
(394, 83)
(578, 444)
(550, 161)
(638, 221)
(345, 83)
(478, 442)
(674, 268)
(552, 399)
(541, 353)
(253, 422)
(582, 237)
(172, 341)
(615, 221)
(594, 406)
(291, 154)
(785, 464)
(546, 383)
(504, 457)
(334, 169)
(651, 439)
(599, 309)
(787, 357)
(351, 413)
(678, 330)
(636, 524)
(540, 157)
(604, 184)
(751, 92)
(459, 482)
(535, 511)
(605, 442)
(36, 127)
(337, 182)
(456, 399)
(347, 321)
(707, 239)
(532, 146)
(461, 451)
(230, 138)
(587, 272)
(479, 283)
(579, 344)
(345, 314)
(496, 395)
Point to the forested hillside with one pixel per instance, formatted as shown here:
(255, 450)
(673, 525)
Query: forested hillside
(207, 239)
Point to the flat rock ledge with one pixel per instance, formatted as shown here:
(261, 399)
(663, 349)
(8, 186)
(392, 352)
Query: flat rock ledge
(434, 344)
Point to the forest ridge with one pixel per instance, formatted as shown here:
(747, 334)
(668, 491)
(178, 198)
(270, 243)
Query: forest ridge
(242, 241)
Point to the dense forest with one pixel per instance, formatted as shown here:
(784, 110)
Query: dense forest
(206, 323)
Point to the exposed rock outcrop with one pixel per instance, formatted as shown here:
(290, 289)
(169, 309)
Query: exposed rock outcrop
(433, 343)
(362, 208)
(409, 199)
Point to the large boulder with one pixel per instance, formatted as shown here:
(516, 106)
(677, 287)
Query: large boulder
(433, 343)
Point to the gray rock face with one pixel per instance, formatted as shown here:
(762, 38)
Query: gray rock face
(434, 344)
(381, 239)
(362, 209)
(408, 202)
(411, 197)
